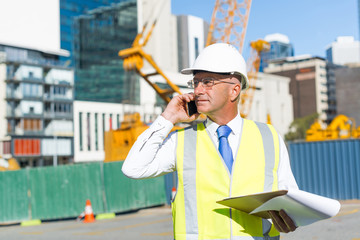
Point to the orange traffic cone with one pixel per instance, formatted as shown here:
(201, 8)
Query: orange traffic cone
(89, 215)
(173, 193)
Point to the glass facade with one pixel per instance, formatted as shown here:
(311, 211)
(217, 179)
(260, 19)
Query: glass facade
(329, 56)
(277, 50)
(70, 9)
(99, 70)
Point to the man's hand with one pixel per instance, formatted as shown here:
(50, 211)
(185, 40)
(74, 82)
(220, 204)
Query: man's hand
(282, 221)
(176, 110)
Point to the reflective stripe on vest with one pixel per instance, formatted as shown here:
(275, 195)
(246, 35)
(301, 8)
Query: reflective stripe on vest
(196, 214)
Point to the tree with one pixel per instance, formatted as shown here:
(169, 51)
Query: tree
(298, 127)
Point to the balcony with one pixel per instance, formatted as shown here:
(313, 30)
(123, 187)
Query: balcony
(21, 132)
(34, 132)
(332, 108)
(331, 98)
(13, 113)
(57, 97)
(59, 82)
(33, 97)
(32, 79)
(18, 131)
(14, 79)
(32, 115)
(14, 95)
(58, 115)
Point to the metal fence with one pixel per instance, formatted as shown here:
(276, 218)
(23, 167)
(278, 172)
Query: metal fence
(61, 192)
(327, 168)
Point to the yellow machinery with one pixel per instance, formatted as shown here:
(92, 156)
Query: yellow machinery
(342, 127)
(9, 165)
(119, 142)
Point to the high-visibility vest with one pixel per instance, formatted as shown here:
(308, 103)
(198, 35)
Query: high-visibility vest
(203, 179)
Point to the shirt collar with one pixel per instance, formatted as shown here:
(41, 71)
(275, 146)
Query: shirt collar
(235, 125)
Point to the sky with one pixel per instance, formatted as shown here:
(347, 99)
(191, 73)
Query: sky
(311, 25)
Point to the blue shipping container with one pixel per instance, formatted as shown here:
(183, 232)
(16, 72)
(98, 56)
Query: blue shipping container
(327, 168)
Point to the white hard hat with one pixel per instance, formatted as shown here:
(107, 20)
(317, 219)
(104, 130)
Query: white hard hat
(220, 58)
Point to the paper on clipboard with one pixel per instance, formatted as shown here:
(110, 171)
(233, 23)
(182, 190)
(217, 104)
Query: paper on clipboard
(303, 207)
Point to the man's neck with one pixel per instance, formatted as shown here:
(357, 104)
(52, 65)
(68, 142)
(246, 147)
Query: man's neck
(223, 119)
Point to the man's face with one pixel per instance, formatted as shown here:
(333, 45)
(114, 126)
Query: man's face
(213, 100)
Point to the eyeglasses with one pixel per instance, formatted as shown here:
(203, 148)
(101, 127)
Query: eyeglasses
(205, 82)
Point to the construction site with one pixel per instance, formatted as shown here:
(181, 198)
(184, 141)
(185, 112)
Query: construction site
(62, 151)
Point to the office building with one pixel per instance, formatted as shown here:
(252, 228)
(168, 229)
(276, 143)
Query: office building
(280, 47)
(69, 10)
(36, 107)
(345, 50)
(99, 72)
(347, 92)
(331, 90)
(308, 85)
(272, 99)
(192, 35)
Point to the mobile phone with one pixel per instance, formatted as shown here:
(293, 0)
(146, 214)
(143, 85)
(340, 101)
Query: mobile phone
(191, 107)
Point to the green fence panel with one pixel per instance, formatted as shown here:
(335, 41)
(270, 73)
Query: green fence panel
(14, 202)
(124, 194)
(60, 192)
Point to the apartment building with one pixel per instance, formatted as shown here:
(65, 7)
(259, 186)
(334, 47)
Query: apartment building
(36, 106)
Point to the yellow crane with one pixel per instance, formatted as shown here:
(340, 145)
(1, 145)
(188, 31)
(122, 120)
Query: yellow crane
(134, 58)
(253, 65)
(229, 22)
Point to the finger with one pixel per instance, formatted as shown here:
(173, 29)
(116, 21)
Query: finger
(287, 220)
(192, 96)
(278, 222)
(194, 116)
(188, 97)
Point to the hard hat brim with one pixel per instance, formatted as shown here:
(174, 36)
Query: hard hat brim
(245, 81)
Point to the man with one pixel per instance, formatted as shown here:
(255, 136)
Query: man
(226, 156)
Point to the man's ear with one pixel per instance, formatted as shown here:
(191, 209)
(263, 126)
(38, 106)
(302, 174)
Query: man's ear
(235, 92)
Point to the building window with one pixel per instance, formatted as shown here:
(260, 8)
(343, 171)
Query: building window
(96, 132)
(196, 47)
(103, 126)
(110, 121)
(32, 125)
(88, 132)
(7, 147)
(80, 131)
(118, 120)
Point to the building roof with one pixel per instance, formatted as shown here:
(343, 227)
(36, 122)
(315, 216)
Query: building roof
(299, 58)
(59, 52)
(277, 37)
